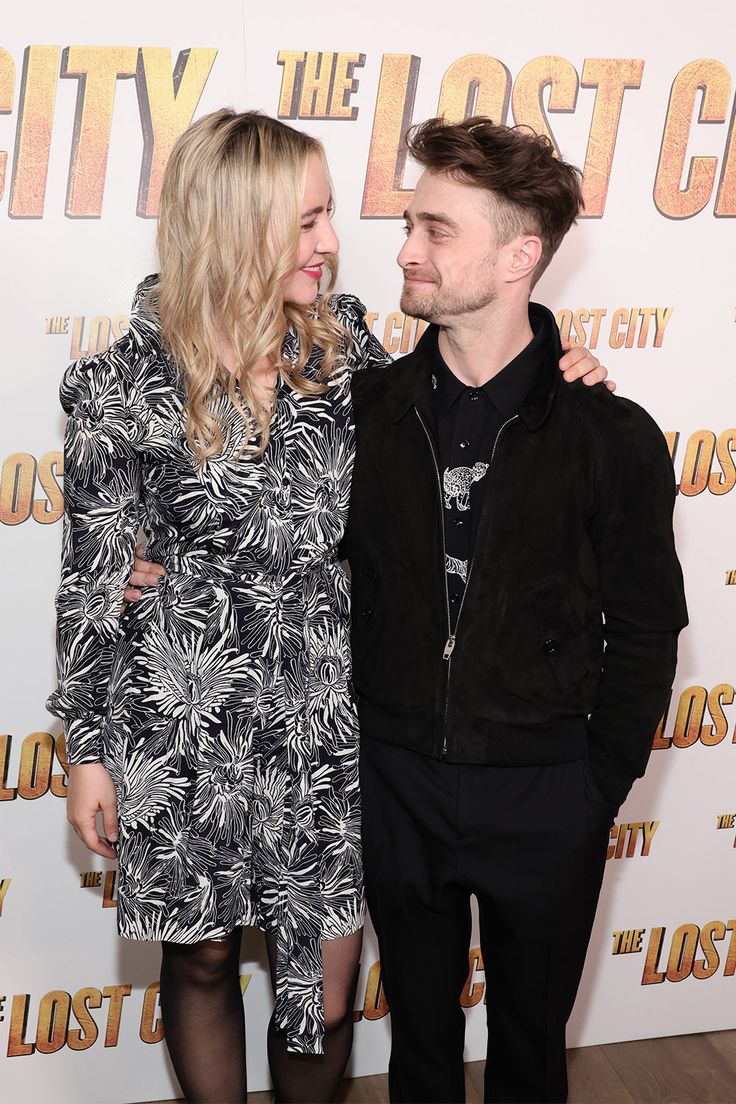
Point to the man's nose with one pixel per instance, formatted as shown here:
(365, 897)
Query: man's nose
(410, 252)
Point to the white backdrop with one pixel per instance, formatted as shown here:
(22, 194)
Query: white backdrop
(90, 100)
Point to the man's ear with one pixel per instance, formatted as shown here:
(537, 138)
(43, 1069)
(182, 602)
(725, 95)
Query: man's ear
(523, 254)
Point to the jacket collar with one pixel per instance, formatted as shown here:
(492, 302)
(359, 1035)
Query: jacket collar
(409, 383)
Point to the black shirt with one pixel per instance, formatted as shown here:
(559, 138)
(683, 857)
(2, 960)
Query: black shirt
(468, 421)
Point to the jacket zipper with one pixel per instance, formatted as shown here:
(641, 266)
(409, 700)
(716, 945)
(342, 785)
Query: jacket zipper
(452, 636)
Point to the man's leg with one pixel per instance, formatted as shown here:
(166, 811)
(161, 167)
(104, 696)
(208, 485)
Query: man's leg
(534, 852)
(421, 916)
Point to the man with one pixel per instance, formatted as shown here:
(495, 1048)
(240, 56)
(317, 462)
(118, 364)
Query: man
(516, 606)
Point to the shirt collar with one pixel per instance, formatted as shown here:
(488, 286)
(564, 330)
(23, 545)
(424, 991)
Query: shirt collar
(507, 389)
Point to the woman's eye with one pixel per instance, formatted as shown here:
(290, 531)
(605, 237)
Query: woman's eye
(309, 225)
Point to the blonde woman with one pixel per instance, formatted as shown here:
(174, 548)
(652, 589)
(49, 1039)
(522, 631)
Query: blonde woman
(212, 724)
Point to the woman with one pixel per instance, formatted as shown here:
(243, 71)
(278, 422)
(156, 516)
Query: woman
(216, 713)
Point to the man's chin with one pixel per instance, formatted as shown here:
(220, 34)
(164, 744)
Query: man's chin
(415, 305)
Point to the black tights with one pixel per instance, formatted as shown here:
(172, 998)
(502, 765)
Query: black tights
(202, 1008)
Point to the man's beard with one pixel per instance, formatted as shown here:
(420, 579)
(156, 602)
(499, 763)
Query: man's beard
(435, 304)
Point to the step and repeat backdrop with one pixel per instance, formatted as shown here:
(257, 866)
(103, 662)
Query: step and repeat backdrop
(91, 99)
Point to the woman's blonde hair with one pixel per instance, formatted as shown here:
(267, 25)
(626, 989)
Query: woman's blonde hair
(228, 234)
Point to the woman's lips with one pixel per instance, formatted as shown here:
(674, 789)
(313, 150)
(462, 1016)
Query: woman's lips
(315, 271)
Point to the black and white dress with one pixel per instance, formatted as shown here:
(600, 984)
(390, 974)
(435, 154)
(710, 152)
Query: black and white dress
(221, 702)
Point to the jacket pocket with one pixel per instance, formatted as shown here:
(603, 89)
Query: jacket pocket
(560, 639)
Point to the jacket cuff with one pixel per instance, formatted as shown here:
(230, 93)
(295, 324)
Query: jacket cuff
(84, 739)
(613, 783)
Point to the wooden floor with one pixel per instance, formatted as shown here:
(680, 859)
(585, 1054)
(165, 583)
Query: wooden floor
(684, 1069)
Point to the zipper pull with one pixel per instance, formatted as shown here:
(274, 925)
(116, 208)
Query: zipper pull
(449, 647)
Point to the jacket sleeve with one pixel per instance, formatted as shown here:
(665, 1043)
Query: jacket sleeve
(642, 591)
(101, 510)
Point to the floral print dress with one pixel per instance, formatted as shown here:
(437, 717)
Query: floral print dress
(221, 702)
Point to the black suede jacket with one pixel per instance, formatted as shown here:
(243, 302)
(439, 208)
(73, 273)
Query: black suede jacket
(566, 642)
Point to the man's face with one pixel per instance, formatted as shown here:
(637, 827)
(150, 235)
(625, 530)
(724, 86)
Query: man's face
(449, 254)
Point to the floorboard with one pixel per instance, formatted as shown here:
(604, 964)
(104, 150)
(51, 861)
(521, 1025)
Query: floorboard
(682, 1069)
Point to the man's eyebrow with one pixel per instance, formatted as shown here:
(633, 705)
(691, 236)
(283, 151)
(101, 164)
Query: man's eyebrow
(428, 216)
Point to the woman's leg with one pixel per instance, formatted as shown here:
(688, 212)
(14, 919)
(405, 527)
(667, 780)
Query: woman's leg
(202, 1009)
(316, 1078)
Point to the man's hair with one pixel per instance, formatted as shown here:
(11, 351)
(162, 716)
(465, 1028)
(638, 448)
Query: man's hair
(532, 191)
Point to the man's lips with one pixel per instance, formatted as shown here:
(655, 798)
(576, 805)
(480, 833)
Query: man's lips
(315, 271)
(418, 278)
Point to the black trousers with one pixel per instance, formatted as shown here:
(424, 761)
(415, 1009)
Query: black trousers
(530, 842)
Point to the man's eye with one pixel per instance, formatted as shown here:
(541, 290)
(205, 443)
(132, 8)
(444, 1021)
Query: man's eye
(406, 229)
(437, 235)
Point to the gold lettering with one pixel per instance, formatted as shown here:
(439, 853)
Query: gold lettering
(375, 1006)
(7, 793)
(720, 484)
(697, 463)
(704, 968)
(98, 69)
(167, 101)
(48, 510)
(152, 1025)
(651, 975)
(53, 1021)
(650, 827)
(527, 102)
(85, 1036)
(316, 85)
(33, 138)
(383, 194)
(116, 995)
(476, 84)
(292, 62)
(712, 81)
(17, 1046)
(682, 952)
(610, 77)
(17, 481)
(344, 84)
(7, 87)
(34, 773)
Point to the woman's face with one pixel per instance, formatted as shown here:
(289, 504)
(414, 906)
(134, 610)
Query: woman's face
(317, 238)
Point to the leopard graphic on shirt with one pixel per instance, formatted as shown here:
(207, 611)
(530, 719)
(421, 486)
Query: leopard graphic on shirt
(456, 483)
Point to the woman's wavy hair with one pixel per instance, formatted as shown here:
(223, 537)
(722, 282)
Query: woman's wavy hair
(228, 234)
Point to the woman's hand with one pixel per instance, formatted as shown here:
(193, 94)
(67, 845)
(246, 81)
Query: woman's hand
(579, 362)
(144, 574)
(91, 790)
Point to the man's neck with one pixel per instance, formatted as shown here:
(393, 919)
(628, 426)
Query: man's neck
(475, 347)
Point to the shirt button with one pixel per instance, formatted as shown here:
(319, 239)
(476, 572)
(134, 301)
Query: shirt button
(464, 444)
(454, 598)
(474, 396)
(458, 522)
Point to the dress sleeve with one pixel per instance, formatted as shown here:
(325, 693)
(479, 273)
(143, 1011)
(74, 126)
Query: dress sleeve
(101, 518)
(366, 350)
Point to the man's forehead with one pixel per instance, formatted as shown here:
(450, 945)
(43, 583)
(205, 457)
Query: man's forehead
(438, 193)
